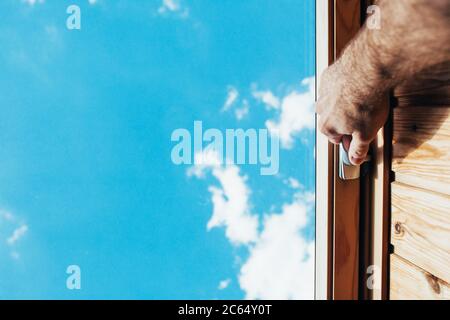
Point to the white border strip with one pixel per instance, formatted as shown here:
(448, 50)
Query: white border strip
(322, 156)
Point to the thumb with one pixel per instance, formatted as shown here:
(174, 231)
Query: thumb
(358, 149)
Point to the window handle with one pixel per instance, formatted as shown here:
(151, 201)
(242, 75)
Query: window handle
(348, 171)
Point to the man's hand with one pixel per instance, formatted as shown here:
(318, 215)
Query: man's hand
(413, 36)
(349, 110)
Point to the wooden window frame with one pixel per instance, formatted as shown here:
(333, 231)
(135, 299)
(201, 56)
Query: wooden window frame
(352, 217)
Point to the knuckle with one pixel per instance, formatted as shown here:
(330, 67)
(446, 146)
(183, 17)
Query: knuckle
(359, 149)
(331, 131)
(360, 152)
(326, 130)
(334, 140)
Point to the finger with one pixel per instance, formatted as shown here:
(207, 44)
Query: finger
(358, 149)
(325, 127)
(336, 139)
(328, 130)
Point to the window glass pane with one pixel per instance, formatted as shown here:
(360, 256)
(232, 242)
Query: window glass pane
(157, 149)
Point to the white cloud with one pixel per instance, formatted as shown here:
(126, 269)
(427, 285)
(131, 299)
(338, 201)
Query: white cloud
(231, 208)
(281, 264)
(231, 101)
(268, 98)
(224, 284)
(293, 183)
(281, 260)
(10, 222)
(92, 2)
(204, 161)
(296, 114)
(242, 112)
(173, 6)
(17, 234)
(232, 96)
(32, 2)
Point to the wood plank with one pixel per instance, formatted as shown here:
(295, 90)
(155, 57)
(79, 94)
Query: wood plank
(420, 228)
(347, 23)
(346, 193)
(381, 209)
(421, 147)
(408, 282)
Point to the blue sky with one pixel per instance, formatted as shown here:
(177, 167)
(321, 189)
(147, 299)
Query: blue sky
(85, 168)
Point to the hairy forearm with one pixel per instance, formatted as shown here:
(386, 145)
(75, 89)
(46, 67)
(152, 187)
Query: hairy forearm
(414, 35)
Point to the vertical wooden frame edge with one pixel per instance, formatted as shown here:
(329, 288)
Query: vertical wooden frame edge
(346, 207)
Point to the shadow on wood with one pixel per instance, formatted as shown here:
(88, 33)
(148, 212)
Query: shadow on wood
(421, 137)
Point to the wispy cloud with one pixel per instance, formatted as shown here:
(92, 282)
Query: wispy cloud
(241, 108)
(173, 7)
(232, 96)
(281, 264)
(293, 112)
(17, 234)
(293, 183)
(170, 5)
(268, 98)
(224, 284)
(280, 261)
(231, 208)
(296, 113)
(32, 2)
(243, 111)
(11, 223)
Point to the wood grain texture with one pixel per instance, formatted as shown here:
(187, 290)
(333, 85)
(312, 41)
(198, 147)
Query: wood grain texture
(381, 209)
(346, 239)
(420, 228)
(408, 282)
(348, 23)
(346, 193)
(421, 147)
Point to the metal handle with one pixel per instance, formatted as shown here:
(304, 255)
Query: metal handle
(348, 171)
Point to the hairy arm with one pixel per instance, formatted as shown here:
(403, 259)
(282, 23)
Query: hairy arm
(414, 35)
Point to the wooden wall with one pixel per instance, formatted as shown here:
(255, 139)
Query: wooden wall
(420, 191)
